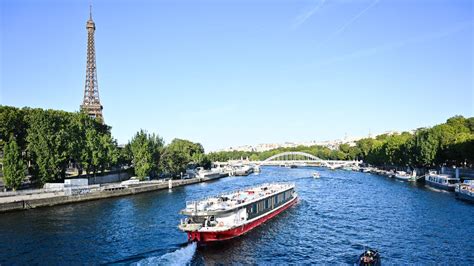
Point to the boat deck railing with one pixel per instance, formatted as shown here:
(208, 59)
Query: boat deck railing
(190, 205)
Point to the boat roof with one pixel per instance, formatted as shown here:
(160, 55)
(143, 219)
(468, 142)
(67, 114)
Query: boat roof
(232, 200)
(444, 176)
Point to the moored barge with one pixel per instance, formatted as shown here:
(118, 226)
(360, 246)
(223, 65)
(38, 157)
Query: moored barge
(465, 190)
(441, 181)
(233, 214)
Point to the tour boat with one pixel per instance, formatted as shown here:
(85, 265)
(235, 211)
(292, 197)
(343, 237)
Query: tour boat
(465, 190)
(243, 170)
(210, 174)
(441, 181)
(233, 214)
(401, 175)
(316, 175)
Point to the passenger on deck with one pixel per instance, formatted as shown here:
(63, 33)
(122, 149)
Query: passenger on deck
(367, 258)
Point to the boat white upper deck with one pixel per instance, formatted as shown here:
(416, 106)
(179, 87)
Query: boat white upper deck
(230, 201)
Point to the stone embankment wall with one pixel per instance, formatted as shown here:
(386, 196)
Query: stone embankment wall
(110, 178)
(115, 191)
(458, 172)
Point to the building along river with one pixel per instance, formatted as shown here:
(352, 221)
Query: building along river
(337, 216)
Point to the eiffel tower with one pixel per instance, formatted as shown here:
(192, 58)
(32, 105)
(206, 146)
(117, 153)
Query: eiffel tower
(91, 103)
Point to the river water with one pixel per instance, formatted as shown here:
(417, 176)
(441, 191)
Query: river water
(336, 217)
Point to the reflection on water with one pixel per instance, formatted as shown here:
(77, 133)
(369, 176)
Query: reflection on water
(336, 217)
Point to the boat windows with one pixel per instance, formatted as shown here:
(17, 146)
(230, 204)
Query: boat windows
(197, 219)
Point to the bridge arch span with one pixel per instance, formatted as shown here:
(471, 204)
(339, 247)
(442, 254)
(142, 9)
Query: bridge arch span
(293, 153)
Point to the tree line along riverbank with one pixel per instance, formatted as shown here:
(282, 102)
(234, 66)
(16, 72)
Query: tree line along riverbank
(42, 145)
(447, 144)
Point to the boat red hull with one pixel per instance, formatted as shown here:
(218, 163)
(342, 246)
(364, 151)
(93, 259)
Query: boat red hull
(237, 231)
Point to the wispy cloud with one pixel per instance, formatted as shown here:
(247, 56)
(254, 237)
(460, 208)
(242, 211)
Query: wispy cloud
(307, 13)
(399, 44)
(349, 22)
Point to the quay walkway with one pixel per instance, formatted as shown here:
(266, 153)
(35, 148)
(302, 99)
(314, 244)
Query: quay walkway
(25, 202)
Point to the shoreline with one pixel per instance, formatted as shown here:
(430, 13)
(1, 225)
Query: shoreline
(38, 202)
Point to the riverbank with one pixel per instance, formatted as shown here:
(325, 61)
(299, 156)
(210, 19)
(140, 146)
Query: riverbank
(25, 202)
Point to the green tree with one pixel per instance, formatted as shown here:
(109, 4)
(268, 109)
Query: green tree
(94, 148)
(51, 140)
(179, 153)
(111, 153)
(14, 167)
(174, 162)
(125, 156)
(365, 146)
(13, 124)
(393, 149)
(48, 141)
(202, 160)
(146, 151)
(254, 157)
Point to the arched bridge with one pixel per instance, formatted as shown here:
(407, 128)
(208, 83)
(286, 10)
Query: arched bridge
(293, 155)
(298, 158)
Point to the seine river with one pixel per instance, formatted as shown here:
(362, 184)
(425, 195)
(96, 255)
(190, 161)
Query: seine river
(337, 216)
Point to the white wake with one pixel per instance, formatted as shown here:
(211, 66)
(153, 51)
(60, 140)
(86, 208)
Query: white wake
(182, 256)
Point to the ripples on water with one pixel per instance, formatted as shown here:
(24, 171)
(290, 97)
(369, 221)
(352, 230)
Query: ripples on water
(181, 256)
(336, 217)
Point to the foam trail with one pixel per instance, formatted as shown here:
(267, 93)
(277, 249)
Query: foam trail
(182, 256)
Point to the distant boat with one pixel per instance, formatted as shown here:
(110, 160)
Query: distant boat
(347, 168)
(256, 169)
(390, 174)
(316, 175)
(401, 175)
(465, 191)
(243, 170)
(441, 181)
(210, 174)
(369, 257)
(365, 169)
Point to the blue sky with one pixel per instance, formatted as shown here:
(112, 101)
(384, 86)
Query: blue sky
(228, 73)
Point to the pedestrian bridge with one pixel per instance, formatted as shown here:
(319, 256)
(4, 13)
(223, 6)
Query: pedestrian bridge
(302, 158)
